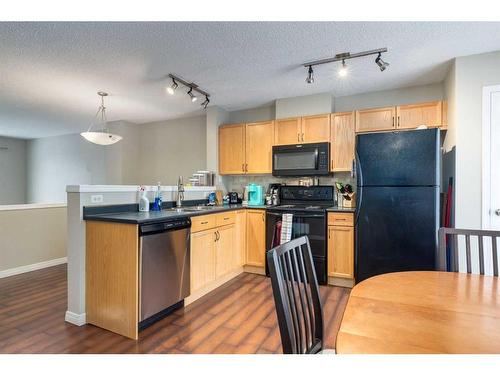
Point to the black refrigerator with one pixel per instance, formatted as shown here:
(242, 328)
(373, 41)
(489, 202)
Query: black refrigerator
(397, 210)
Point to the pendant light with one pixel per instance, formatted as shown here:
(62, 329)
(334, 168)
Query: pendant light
(101, 137)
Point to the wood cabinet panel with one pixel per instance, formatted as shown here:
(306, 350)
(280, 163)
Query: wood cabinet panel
(256, 238)
(112, 276)
(342, 138)
(202, 259)
(413, 115)
(232, 149)
(203, 222)
(376, 119)
(341, 252)
(259, 142)
(316, 129)
(341, 218)
(287, 131)
(225, 251)
(240, 241)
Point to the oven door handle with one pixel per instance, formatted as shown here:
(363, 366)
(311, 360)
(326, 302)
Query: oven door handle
(297, 215)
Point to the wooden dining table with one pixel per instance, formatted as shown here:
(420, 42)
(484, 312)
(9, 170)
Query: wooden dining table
(422, 312)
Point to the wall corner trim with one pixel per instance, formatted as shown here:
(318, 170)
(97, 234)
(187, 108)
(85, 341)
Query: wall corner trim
(32, 267)
(76, 319)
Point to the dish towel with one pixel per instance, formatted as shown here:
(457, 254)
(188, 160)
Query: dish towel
(276, 234)
(286, 228)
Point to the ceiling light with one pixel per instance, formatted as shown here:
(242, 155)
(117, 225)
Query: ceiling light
(343, 70)
(310, 75)
(381, 63)
(205, 103)
(173, 87)
(191, 95)
(101, 137)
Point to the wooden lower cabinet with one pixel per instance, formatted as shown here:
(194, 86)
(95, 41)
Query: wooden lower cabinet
(341, 253)
(240, 238)
(203, 255)
(256, 238)
(225, 251)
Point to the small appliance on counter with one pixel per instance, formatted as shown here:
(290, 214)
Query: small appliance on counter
(273, 194)
(233, 198)
(255, 195)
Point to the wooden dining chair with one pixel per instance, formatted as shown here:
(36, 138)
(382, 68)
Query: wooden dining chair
(449, 238)
(296, 296)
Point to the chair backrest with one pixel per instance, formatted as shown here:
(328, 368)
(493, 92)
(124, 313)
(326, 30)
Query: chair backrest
(296, 296)
(449, 238)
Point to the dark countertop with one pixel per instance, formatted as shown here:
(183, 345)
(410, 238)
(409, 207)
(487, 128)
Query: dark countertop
(341, 209)
(136, 217)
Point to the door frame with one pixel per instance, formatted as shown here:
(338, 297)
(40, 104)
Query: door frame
(486, 156)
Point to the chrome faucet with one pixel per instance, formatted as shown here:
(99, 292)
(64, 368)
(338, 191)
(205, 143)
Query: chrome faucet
(180, 192)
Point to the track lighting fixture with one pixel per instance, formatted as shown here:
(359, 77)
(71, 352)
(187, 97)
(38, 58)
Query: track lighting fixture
(343, 69)
(343, 57)
(310, 75)
(171, 89)
(205, 103)
(192, 88)
(191, 95)
(381, 63)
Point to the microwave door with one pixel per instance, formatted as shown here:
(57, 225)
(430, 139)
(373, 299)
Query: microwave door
(293, 161)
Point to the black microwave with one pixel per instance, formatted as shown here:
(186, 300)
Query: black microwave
(308, 159)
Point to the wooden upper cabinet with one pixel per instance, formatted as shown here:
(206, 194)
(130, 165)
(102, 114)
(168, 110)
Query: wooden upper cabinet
(256, 238)
(413, 115)
(342, 136)
(232, 149)
(315, 129)
(287, 131)
(259, 142)
(376, 119)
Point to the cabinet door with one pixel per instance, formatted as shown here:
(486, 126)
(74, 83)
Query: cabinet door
(316, 129)
(259, 146)
(240, 241)
(377, 119)
(341, 252)
(232, 149)
(202, 259)
(342, 140)
(225, 251)
(287, 131)
(413, 115)
(256, 238)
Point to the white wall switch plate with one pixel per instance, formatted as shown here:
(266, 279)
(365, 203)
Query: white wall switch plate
(97, 198)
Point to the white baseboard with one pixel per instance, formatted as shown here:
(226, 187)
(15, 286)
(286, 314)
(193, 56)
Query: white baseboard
(76, 319)
(32, 267)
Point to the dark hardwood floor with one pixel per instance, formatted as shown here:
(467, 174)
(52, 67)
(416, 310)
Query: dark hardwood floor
(238, 317)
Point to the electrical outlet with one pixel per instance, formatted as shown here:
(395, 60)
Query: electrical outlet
(97, 198)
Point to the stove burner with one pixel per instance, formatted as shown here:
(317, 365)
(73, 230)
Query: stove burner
(312, 207)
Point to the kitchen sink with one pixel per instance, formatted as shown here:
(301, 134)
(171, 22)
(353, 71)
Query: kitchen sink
(192, 209)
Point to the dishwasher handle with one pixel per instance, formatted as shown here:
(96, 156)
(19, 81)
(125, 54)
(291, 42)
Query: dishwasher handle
(155, 228)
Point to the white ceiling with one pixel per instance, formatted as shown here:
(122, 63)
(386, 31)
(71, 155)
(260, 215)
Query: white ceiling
(50, 72)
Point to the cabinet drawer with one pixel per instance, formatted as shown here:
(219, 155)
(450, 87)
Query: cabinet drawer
(199, 223)
(341, 219)
(225, 218)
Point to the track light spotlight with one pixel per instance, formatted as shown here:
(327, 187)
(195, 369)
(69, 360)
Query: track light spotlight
(191, 95)
(310, 75)
(343, 70)
(171, 89)
(205, 103)
(381, 63)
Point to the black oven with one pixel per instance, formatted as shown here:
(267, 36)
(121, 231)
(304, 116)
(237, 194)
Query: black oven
(309, 159)
(310, 224)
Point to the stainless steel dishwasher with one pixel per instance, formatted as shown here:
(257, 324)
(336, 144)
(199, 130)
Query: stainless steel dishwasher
(164, 256)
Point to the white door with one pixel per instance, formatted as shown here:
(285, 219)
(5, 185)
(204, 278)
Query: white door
(491, 157)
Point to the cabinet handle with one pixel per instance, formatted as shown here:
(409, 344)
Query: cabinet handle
(215, 234)
(398, 121)
(302, 137)
(226, 218)
(338, 219)
(393, 124)
(243, 167)
(298, 137)
(246, 167)
(263, 217)
(204, 222)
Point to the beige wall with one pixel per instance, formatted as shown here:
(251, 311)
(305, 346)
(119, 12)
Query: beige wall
(30, 236)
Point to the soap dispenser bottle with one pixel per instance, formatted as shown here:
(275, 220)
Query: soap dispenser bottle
(158, 198)
(143, 200)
